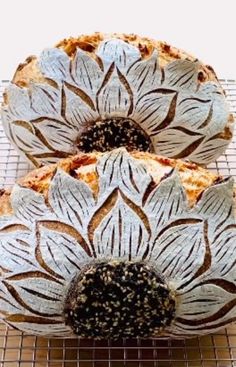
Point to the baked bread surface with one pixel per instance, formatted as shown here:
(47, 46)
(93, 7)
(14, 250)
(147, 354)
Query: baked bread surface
(118, 244)
(82, 166)
(28, 70)
(100, 92)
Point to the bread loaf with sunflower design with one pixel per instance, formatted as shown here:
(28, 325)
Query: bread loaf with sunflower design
(101, 92)
(118, 244)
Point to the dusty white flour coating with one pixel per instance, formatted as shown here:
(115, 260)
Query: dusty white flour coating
(43, 246)
(182, 117)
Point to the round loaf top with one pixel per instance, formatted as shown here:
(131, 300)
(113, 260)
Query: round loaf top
(118, 245)
(100, 92)
(82, 166)
(28, 71)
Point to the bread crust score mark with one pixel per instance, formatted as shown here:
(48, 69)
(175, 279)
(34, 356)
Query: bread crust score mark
(96, 216)
(107, 91)
(82, 166)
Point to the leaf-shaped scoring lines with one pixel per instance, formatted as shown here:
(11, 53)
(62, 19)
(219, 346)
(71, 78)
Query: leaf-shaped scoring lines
(198, 111)
(61, 253)
(72, 200)
(166, 202)
(114, 97)
(144, 75)
(177, 142)
(78, 107)
(54, 64)
(132, 217)
(118, 52)
(28, 205)
(19, 103)
(45, 120)
(204, 309)
(179, 250)
(122, 233)
(217, 206)
(45, 100)
(155, 110)
(86, 72)
(40, 295)
(181, 74)
(118, 170)
(15, 249)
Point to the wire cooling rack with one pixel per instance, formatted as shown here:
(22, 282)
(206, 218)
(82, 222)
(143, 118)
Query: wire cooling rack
(21, 350)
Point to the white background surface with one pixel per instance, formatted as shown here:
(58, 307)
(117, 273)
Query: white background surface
(205, 28)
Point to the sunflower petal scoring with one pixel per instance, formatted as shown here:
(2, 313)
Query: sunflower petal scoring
(182, 116)
(121, 234)
(54, 64)
(118, 51)
(28, 205)
(118, 170)
(72, 200)
(86, 73)
(44, 246)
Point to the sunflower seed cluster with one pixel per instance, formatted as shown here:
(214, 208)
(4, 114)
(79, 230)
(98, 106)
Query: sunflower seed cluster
(119, 300)
(106, 135)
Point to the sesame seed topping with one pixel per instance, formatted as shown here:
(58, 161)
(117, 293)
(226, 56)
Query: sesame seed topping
(109, 134)
(97, 308)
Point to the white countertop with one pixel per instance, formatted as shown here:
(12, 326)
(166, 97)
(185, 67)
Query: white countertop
(205, 28)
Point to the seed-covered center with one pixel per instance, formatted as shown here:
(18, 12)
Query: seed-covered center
(114, 133)
(119, 299)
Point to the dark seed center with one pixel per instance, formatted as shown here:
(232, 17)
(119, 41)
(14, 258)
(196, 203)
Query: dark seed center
(114, 133)
(119, 299)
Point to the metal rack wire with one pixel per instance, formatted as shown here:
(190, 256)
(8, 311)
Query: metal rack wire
(21, 350)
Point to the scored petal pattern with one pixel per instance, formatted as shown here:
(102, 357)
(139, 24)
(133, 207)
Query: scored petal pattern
(65, 191)
(57, 135)
(165, 202)
(86, 73)
(182, 116)
(28, 205)
(114, 99)
(153, 120)
(118, 52)
(217, 202)
(55, 64)
(201, 112)
(121, 234)
(144, 75)
(172, 139)
(37, 294)
(45, 100)
(19, 100)
(61, 252)
(201, 308)
(120, 171)
(78, 108)
(181, 73)
(44, 245)
(179, 250)
(16, 251)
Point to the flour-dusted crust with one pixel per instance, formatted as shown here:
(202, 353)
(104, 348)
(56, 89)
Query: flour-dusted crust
(120, 210)
(28, 70)
(162, 99)
(82, 166)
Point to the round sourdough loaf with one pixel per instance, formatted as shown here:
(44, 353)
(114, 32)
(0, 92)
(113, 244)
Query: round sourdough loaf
(100, 92)
(118, 244)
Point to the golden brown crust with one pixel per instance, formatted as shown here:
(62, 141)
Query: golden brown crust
(82, 166)
(89, 43)
(167, 53)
